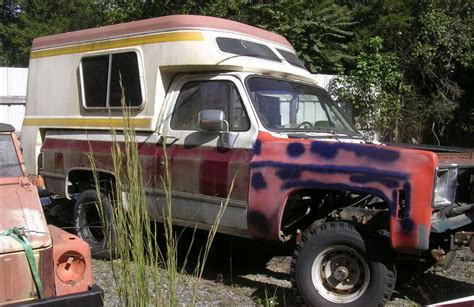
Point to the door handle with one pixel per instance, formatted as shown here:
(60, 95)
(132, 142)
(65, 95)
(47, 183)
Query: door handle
(167, 140)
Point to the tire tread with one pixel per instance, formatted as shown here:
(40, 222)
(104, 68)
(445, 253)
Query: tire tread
(351, 231)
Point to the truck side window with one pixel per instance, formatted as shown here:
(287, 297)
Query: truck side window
(101, 78)
(9, 163)
(94, 73)
(196, 96)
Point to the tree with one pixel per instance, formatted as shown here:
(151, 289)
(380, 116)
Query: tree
(377, 90)
(442, 47)
(28, 19)
(432, 41)
(319, 30)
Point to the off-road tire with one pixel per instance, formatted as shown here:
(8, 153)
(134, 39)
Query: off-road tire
(93, 228)
(335, 238)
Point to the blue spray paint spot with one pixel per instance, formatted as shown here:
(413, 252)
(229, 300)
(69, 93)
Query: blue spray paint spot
(376, 153)
(258, 182)
(329, 150)
(295, 149)
(363, 179)
(393, 206)
(259, 221)
(288, 173)
(324, 149)
(257, 147)
(407, 225)
(407, 189)
(330, 169)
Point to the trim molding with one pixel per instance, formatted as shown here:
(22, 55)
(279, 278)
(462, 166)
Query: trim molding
(198, 197)
(91, 122)
(119, 43)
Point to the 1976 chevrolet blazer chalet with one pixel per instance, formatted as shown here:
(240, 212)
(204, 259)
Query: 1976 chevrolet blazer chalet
(230, 100)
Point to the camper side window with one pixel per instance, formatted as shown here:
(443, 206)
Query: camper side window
(196, 96)
(104, 77)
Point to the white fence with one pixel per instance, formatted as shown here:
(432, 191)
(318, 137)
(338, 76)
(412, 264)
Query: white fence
(13, 95)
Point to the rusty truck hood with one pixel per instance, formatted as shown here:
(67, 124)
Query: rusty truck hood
(20, 207)
(463, 157)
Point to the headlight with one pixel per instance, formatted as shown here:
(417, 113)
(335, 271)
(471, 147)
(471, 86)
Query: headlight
(445, 186)
(71, 267)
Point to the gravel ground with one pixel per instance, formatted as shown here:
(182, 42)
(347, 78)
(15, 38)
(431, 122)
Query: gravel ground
(236, 275)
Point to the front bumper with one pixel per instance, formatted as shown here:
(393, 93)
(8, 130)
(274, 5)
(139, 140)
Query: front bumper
(92, 297)
(449, 224)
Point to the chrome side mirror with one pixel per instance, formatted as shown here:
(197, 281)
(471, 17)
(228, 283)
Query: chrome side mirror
(214, 120)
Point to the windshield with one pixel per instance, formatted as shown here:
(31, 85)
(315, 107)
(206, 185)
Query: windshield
(284, 105)
(9, 163)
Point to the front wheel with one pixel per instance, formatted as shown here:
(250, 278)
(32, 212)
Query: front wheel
(334, 266)
(93, 223)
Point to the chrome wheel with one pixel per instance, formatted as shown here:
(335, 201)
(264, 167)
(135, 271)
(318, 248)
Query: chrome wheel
(340, 274)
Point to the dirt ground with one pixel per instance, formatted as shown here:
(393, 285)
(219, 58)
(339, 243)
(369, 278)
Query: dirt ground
(243, 272)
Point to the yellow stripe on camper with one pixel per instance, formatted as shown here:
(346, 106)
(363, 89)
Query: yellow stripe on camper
(85, 122)
(118, 43)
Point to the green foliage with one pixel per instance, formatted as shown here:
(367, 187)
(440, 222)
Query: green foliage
(376, 89)
(390, 20)
(116, 11)
(432, 41)
(270, 300)
(27, 19)
(318, 30)
(443, 44)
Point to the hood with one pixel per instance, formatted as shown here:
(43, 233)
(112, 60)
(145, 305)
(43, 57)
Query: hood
(20, 207)
(463, 157)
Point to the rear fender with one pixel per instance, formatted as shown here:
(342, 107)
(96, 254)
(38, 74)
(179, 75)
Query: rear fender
(72, 262)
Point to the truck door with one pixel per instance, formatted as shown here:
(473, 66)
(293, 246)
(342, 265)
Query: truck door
(204, 173)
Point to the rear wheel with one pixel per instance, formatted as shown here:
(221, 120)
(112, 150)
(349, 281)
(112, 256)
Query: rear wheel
(333, 266)
(93, 223)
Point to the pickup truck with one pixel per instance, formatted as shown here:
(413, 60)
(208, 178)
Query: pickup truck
(40, 265)
(232, 103)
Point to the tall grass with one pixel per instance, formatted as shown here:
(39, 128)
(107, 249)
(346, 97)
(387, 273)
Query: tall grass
(139, 259)
(136, 265)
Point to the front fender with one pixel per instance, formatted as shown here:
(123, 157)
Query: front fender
(403, 178)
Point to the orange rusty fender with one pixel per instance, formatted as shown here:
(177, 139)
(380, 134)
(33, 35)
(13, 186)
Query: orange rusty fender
(72, 262)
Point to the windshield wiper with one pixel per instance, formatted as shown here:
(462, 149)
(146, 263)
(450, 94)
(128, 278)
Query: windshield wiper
(327, 135)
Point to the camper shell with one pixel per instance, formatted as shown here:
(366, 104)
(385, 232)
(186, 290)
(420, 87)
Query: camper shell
(233, 106)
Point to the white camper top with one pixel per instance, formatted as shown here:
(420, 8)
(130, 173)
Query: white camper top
(164, 47)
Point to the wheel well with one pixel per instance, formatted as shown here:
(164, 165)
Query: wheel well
(83, 179)
(308, 207)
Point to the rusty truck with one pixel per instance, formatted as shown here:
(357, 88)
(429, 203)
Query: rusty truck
(40, 265)
(232, 103)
